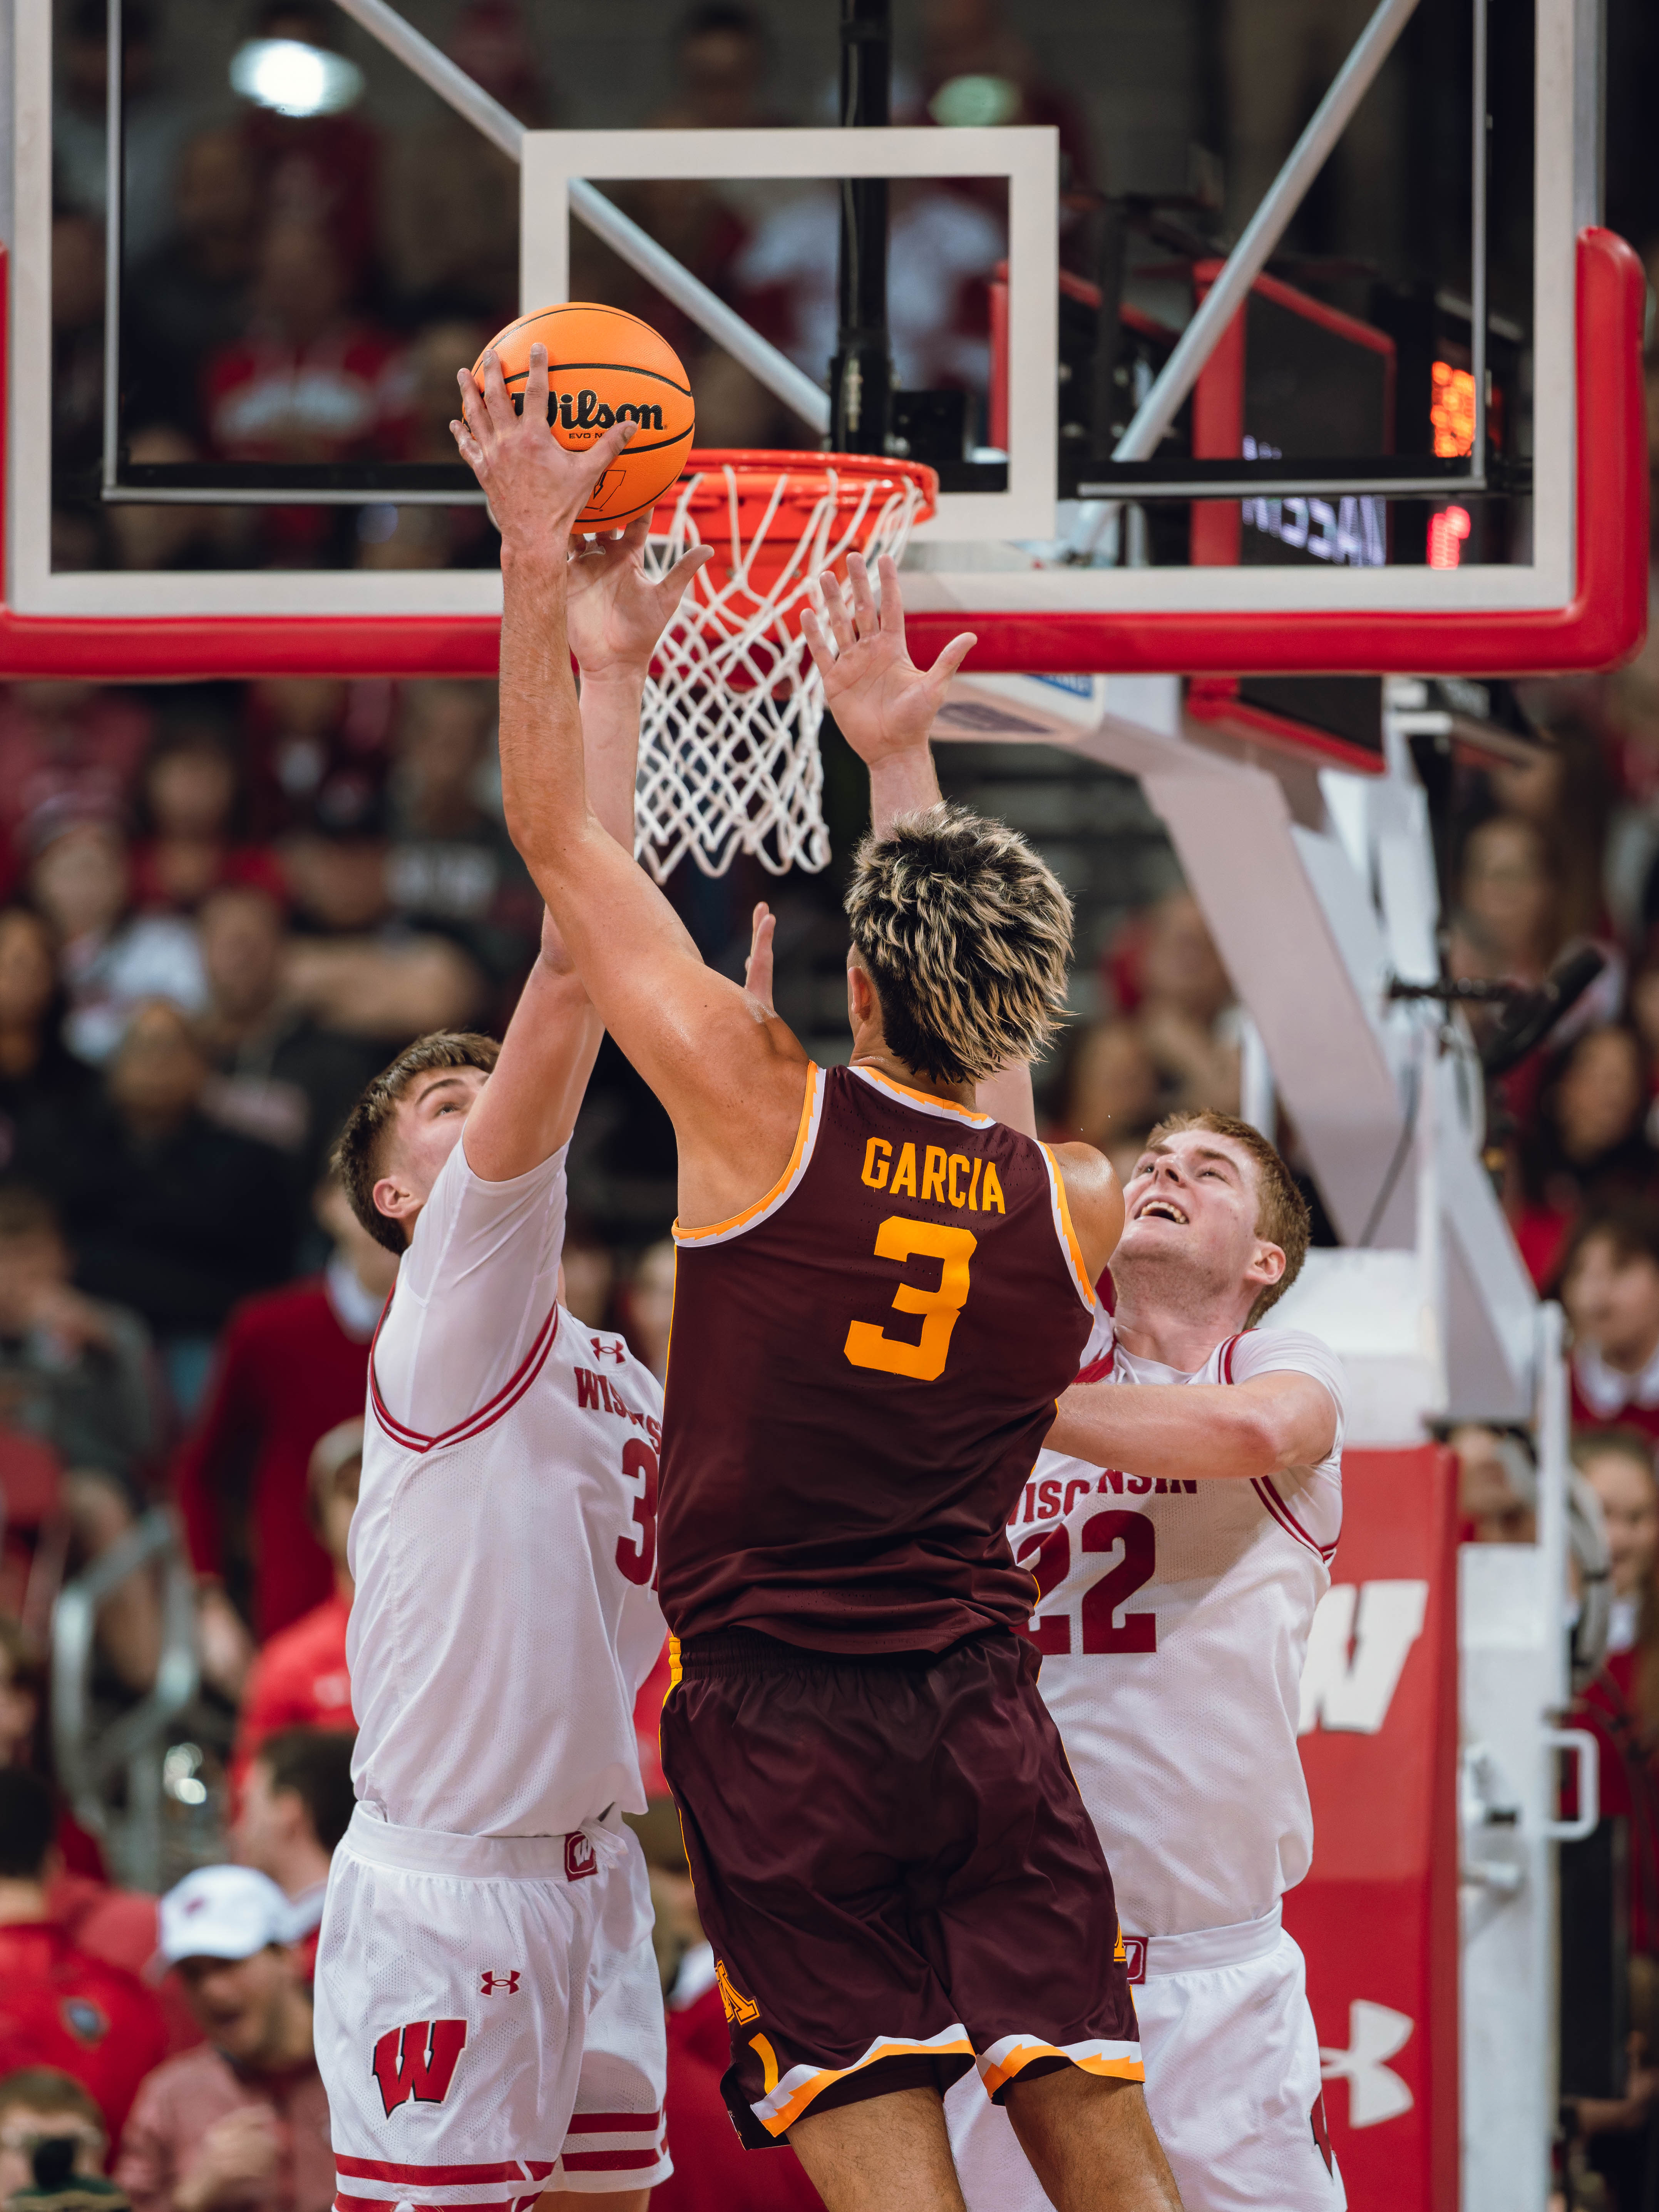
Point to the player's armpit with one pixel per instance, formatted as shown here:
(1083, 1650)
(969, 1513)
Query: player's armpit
(1094, 1197)
(1235, 1432)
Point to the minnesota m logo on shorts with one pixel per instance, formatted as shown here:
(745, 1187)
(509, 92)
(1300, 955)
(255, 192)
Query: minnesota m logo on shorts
(417, 2061)
(737, 2007)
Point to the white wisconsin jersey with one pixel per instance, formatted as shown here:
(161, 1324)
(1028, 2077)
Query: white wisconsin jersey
(1174, 1616)
(504, 1544)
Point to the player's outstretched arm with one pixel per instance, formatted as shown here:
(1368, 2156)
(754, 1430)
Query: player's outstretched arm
(884, 705)
(730, 1079)
(615, 618)
(1235, 1432)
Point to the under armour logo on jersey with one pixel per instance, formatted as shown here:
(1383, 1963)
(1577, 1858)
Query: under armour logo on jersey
(616, 1349)
(1376, 2091)
(580, 1858)
(417, 2061)
(490, 1982)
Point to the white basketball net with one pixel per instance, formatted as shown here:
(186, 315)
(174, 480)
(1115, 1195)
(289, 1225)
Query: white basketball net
(729, 735)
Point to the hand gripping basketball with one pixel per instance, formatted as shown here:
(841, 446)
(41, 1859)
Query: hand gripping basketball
(535, 487)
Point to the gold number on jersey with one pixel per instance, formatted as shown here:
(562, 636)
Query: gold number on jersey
(901, 1239)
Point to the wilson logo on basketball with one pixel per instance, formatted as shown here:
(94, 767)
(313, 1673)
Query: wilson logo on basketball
(417, 2061)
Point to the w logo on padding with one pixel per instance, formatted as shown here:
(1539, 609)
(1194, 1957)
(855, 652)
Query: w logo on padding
(418, 2061)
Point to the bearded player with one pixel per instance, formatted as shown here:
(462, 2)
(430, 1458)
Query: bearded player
(1180, 1531)
(880, 1291)
(488, 2013)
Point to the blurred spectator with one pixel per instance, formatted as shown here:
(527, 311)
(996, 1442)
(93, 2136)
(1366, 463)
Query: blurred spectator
(1564, 790)
(311, 382)
(296, 1803)
(451, 201)
(188, 800)
(77, 1374)
(1112, 1089)
(1508, 918)
(67, 751)
(291, 1366)
(942, 248)
(452, 863)
(152, 125)
(168, 1213)
(1497, 1487)
(320, 170)
(430, 537)
(1186, 1013)
(59, 2006)
(241, 2121)
(1618, 1465)
(318, 751)
(359, 969)
(21, 1689)
(978, 69)
(1610, 1285)
(39, 2105)
(44, 1088)
(110, 960)
(190, 297)
(299, 1679)
(651, 1305)
(1589, 1144)
(277, 1074)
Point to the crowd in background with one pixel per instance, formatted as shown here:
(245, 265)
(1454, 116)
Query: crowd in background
(223, 907)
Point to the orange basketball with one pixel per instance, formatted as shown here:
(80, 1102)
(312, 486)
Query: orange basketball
(605, 366)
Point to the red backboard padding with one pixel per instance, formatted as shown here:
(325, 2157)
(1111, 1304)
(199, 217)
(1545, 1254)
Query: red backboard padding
(1377, 1915)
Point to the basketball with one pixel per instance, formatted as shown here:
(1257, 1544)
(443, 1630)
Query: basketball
(605, 366)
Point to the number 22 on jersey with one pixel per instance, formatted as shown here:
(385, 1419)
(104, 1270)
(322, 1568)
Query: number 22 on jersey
(900, 1237)
(1048, 1557)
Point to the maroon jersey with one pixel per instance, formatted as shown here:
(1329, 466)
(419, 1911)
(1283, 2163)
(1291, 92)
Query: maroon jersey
(864, 1366)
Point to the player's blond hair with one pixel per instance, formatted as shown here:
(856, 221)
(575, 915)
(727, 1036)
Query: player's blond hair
(358, 1152)
(1282, 1214)
(967, 935)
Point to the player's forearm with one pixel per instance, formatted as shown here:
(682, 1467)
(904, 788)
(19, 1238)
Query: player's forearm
(901, 783)
(610, 710)
(1174, 1429)
(543, 777)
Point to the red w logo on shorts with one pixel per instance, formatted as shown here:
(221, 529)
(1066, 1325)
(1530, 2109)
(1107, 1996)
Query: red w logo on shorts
(417, 2061)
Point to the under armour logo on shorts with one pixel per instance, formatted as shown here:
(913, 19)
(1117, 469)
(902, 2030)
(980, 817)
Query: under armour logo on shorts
(579, 1860)
(490, 1982)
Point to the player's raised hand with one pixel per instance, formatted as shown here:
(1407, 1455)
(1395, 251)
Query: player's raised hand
(535, 486)
(615, 612)
(883, 703)
(757, 973)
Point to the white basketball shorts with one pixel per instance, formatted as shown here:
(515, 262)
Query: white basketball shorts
(1232, 2083)
(489, 2018)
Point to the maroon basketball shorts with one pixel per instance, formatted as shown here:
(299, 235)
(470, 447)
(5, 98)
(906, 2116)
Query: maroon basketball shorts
(896, 1871)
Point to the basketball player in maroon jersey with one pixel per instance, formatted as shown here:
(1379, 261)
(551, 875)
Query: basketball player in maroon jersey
(883, 1291)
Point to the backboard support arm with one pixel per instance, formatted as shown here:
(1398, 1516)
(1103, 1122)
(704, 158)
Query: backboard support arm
(1176, 380)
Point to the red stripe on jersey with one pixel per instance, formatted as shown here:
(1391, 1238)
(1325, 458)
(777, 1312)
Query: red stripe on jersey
(609, 2161)
(1287, 1520)
(614, 2123)
(1227, 1359)
(503, 1401)
(380, 2169)
(342, 2203)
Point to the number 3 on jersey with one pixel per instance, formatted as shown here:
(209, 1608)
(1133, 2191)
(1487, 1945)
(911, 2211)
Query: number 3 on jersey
(1048, 1556)
(637, 1549)
(902, 1238)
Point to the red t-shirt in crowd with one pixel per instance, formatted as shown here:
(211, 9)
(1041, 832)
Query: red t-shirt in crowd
(712, 2171)
(61, 2006)
(298, 1680)
(287, 1371)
